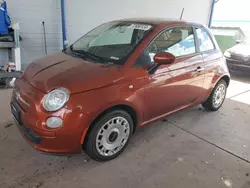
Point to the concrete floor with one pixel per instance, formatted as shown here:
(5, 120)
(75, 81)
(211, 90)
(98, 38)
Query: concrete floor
(193, 148)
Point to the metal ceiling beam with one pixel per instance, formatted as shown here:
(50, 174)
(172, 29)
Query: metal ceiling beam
(212, 13)
(64, 31)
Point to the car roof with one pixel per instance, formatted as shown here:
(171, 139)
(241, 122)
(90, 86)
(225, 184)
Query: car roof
(158, 21)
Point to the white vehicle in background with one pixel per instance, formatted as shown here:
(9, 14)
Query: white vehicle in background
(238, 57)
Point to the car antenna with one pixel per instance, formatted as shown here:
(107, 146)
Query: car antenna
(45, 39)
(182, 13)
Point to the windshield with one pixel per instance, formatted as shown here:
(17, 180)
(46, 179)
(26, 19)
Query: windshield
(111, 42)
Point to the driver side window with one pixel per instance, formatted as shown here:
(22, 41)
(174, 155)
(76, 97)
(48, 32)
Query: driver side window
(179, 41)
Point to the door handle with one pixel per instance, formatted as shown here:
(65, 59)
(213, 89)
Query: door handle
(199, 69)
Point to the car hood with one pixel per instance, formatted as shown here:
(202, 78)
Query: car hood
(240, 49)
(75, 74)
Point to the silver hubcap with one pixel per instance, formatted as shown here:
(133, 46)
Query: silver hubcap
(219, 95)
(112, 136)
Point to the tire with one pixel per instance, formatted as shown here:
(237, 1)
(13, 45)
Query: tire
(210, 104)
(112, 129)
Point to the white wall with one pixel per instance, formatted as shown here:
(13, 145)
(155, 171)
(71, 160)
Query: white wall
(30, 14)
(83, 15)
(232, 10)
(232, 13)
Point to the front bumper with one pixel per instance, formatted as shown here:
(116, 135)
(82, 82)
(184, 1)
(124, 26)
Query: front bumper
(31, 123)
(236, 65)
(59, 141)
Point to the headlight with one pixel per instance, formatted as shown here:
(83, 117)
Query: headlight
(227, 54)
(55, 99)
(246, 58)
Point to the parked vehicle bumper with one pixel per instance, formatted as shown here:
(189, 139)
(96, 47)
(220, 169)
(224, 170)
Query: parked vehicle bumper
(237, 65)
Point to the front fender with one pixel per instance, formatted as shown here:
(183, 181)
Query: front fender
(95, 102)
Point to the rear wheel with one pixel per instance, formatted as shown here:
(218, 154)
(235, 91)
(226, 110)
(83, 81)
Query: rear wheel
(109, 136)
(217, 97)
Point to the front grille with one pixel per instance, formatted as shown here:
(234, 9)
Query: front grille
(16, 100)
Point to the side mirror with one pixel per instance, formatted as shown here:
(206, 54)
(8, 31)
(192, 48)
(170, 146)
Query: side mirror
(163, 58)
(238, 41)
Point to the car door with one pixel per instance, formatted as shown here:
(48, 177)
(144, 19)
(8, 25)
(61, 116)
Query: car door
(174, 86)
(212, 57)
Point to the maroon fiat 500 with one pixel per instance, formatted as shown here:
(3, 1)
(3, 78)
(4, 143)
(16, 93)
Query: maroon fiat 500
(120, 76)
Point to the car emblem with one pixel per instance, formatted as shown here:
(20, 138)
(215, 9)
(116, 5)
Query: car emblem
(19, 98)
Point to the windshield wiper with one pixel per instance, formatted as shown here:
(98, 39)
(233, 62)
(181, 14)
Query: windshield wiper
(83, 54)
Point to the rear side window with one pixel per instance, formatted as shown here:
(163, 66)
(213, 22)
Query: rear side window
(179, 41)
(204, 40)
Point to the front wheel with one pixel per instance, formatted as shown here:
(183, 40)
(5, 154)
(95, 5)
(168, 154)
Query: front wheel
(217, 97)
(109, 136)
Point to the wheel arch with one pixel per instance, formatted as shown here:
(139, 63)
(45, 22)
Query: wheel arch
(226, 78)
(127, 108)
(130, 110)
